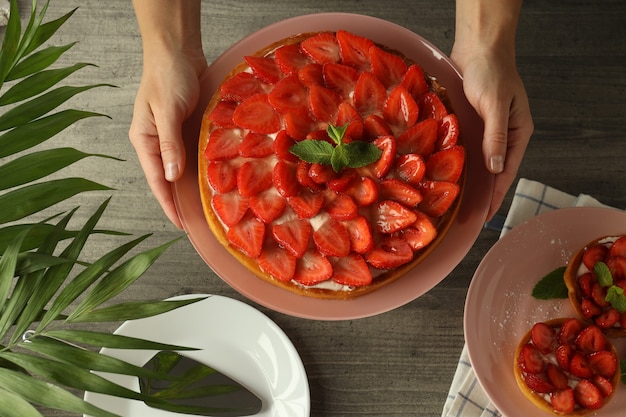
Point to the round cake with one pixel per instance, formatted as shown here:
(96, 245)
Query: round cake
(566, 367)
(595, 277)
(330, 165)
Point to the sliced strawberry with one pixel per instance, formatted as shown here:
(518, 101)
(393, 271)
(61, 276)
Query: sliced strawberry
(374, 126)
(282, 147)
(321, 48)
(387, 144)
(438, 197)
(400, 109)
(303, 178)
(391, 216)
(254, 176)
(598, 294)
(369, 94)
(556, 376)
(411, 168)
(312, 268)
(347, 115)
(293, 235)
(311, 75)
(321, 173)
(340, 206)
(268, 205)
(343, 181)
(277, 262)
(594, 254)
(240, 86)
(530, 359)
(603, 384)
(618, 248)
(586, 282)
(298, 125)
(256, 145)
(617, 266)
(263, 68)
(360, 233)
(230, 207)
(543, 337)
(390, 253)
(307, 203)
(352, 270)
(603, 363)
(256, 113)
(222, 114)
(588, 395)
(284, 178)
(419, 139)
(431, 107)
(289, 95)
(340, 78)
(414, 81)
(222, 176)
(324, 103)
(354, 50)
(569, 331)
(364, 191)
(332, 239)
(579, 366)
(563, 400)
(397, 190)
(223, 144)
(387, 67)
(564, 356)
(589, 308)
(289, 60)
(448, 132)
(538, 383)
(248, 236)
(421, 233)
(446, 165)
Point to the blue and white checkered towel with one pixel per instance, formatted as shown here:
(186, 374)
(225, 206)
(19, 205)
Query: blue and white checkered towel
(466, 397)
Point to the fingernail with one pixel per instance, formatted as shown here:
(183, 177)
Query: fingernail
(497, 164)
(171, 171)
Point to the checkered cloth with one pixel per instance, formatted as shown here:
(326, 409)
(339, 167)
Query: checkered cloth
(466, 397)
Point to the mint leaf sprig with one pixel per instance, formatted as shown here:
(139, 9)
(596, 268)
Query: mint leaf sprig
(551, 286)
(354, 154)
(614, 294)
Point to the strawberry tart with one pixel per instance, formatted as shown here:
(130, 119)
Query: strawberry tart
(330, 165)
(596, 280)
(567, 367)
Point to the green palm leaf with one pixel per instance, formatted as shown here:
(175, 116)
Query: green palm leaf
(110, 340)
(13, 405)
(37, 61)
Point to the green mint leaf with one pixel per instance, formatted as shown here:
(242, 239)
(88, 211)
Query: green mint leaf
(615, 296)
(339, 159)
(336, 133)
(551, 286)
(362, 153)
(313, 151)
(604, 274)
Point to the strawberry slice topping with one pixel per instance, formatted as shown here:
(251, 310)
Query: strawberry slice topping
(438, 197)
(414, 81)
(277, 262)
(293, 235)
(257, 115)
(256, 145)
(264, 68)
(324, 103)
(387, 67)
(400, 109)
(289, 95)
(321, 48)
(241, 86)
(222, 176)
(354, 50)
(352, 270)
(289, 60)
(268, 205)
(230, 207)
(390, 253)
(254, 176)
(223, 144)
(312, 268)
(369, 94)
(332, 239)
(248, 236)
(361, 240)
(419, 139)
(392, 216)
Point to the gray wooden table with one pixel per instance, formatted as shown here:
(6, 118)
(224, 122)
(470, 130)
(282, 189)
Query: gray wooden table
(572, 57)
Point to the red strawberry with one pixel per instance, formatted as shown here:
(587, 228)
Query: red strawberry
(397, 190)
(617, 266)
(363, 191)
(256, 145)
(591, 340)
(431, 107)
(538, 383)
(390, 253)
(564, 356)
(438, 197)
(307, 203)
(579, 366)
(603, 363)
(324, 103)
(312, 268)
(530, 359)
(230, 207)
(391, 216)
(354, 50)
(248, 236)
(282, 147)
(414, 81)
(361, 240)
(400, 109)
(289, 60)
(298, 125)
(608, 318)
(448, 132)
(340, 78)
(293, 235)
(289, 95)
(284, 178)
(421, 233)
(332, 239)
(589, 307)
(223, 144)
(603, 384)
(321, 173)
(586, 282)
(321, 48)
(419, 139)
(263, 68)
(594, 254)
(375, 126)
(387, 67)
(543, 337)
(569, 331)
(340, 206)
(311, 74)
(411, 168)
(387, 144)
(369, 94)
(556, 376)
(277, 262)
(446, 165)
(343, 181)
(352, 270)
(254, 176)
(618, 248)
(302, 175)
(256, 113)
(222, 114)
(563, 400)
(588, 395)
(347, 115)
(222, 176)
(240, 86)
(268, 205)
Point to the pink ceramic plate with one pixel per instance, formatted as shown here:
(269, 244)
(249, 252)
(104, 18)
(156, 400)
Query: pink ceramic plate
(500, 309)
(450, 252)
